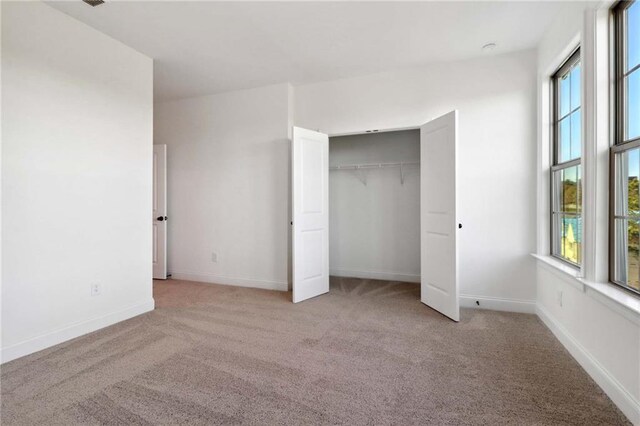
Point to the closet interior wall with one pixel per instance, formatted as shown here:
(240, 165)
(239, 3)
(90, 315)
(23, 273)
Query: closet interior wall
(374, 205)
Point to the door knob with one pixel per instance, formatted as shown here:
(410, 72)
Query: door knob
(160, 218)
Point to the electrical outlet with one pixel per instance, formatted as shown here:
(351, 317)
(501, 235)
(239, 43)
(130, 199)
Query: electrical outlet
(214, 257)
(96, 289)
(560, 298)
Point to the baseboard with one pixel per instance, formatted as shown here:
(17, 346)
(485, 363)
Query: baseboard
(375, 275)
(498, 304)
(53, 338)
(239, 282)
(618, 394)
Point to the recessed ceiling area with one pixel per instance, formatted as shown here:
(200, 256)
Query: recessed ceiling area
(211, 47)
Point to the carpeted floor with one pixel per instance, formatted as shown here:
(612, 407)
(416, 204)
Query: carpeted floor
(367, 353)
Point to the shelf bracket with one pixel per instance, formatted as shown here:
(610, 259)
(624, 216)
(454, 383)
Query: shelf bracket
(362, 175)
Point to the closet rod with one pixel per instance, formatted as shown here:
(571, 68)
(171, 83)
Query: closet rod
(374, 165)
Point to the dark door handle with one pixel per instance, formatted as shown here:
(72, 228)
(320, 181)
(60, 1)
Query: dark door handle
(160, 218)
(459, 226)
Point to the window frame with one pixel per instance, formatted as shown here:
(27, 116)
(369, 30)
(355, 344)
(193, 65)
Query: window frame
(569, 63)
(620, 144)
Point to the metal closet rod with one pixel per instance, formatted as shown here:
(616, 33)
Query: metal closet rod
(374, 165)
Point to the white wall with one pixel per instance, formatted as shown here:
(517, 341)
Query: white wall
(76, 178)
(603, 337)
(496, 98)
(228, 186)
(586, 314)
(374, 228)
(228, 169)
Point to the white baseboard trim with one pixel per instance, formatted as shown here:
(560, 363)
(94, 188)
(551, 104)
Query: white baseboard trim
(618, 394)
(498, 304)
(61, 335)
(375, 275)
(238, 282)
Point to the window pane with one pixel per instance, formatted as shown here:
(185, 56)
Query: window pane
(564, 95)
(621, 183)
(627, 253)
(571, 238)
(567, 222)
(620, 250)
(576, 135)
(575, 87)
(569, 188)
(633, 176)
(579, 190)
(556, 191)
(626, 262)
(633, 254)
(556, 228)
(627, 165)
(632, 100)
(564, 135)
(633, 35)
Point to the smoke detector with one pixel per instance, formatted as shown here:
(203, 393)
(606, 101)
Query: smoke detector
(488, 47)
(93, 3)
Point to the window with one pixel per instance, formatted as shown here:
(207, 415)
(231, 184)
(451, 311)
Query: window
(566, 182)
(625, 153)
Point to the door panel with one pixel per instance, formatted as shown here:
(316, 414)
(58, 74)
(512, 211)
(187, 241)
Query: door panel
(310, 234)
(438, 215)
(159, 212)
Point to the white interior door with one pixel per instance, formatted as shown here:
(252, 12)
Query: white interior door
(438, 219)
(310, 201)
(159, 213)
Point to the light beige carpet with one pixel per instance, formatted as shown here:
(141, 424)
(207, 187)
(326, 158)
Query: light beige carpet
(367, 353)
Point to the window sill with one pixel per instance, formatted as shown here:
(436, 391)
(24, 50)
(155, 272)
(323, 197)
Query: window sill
(618, 299)
(568, 273)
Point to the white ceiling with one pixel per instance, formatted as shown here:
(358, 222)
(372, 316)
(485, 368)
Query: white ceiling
(211, 47)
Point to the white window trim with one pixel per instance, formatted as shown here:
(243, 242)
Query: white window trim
(597, 86)
(555, 152)
(597, 90)
(545, 154)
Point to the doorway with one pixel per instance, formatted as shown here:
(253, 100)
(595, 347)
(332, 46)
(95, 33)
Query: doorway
(374, 206)
(159, 213)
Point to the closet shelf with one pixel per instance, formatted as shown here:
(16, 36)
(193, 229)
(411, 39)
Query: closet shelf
(374, 165)
(365, 166)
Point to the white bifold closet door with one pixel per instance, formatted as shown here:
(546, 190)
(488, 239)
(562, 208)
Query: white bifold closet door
(438, 215)
(310, 201)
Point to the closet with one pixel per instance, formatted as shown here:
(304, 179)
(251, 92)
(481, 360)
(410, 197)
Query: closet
(392, 215)
(374, 205)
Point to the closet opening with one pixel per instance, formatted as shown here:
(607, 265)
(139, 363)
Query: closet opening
(390, 216)
(374, 206)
